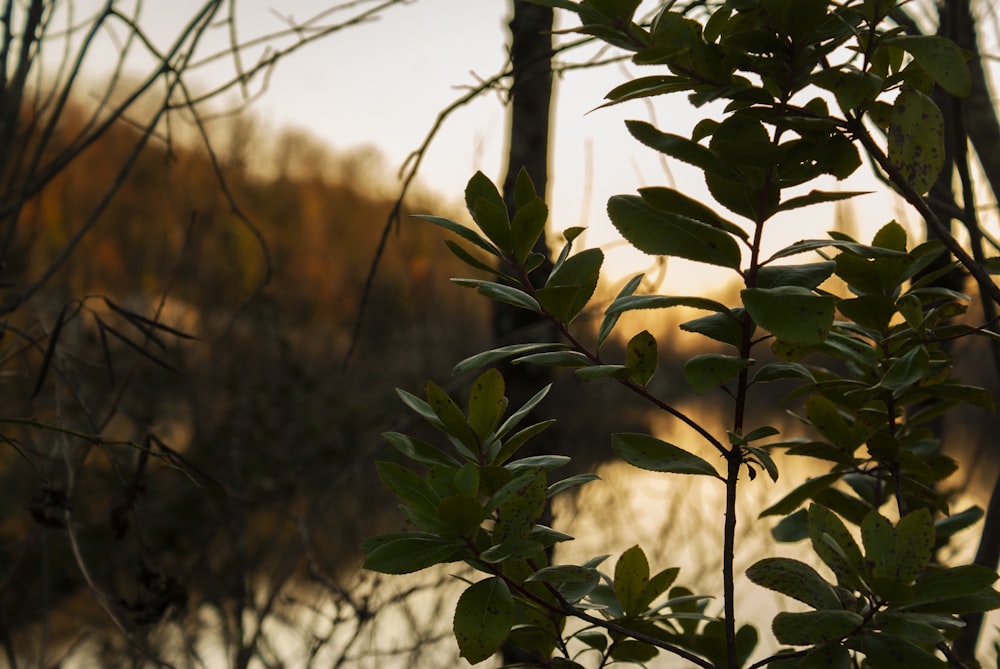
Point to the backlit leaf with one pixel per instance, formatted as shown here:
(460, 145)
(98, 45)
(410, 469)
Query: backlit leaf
(792, 314)
(640, 357)
(631, 302)
(501, 293)
(708, 371)
(651, 454)
(795, 579)
(806, 276)
(527, 226)
(483, 618)
(941, 58)
(661, 233)
(580, 272)
(631, 577)
(814, 627)
(916, 139)
(501, 353)
(486, 402)
(891, 652)
(611, 319)
(723, 327)
(407, 552)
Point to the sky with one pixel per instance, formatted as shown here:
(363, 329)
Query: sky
(382, 83)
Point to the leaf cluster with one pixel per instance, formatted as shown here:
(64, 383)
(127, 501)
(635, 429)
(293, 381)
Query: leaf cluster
(859, 328)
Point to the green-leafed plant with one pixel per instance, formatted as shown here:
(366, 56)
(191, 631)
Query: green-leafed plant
(860, 330)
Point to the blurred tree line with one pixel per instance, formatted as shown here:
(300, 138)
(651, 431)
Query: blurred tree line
(219, 444)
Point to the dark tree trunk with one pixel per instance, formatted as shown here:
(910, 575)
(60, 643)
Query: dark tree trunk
(531, 94)
(970, 120)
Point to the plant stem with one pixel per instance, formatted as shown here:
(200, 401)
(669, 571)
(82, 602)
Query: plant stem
(735, 460)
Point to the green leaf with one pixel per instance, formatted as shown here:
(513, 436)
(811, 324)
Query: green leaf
(645, 87)
(795, 579)
(640, 357)
(519, 505)
(672, 201)
(407, 485)
(826, 656)
(555, 359)
(651, 454)
(764, 459)
(421, 408)
(462, 513)
(941, 58)
(547, 536)
(914, 544)
(818, 197)
(780, 371)
(579, 273)
(483, 618)
(407, 552)
(792, 314)
(571, 482)
(493, 221)
(792, 527)
(419, 450)
(656, 586)
(854, 89)
(633, 651)
(545, 462)
(468, 258)
(524, 189)
(979, 397)
(906, 370)
(805, 276)
(450, 416)
(611, 319)
(661, 233)
(631, 578)
(723, 327)
(463, 232)
(814, 627)
(834, 545)
(889, 652)
(515, 419)
(762, 432)
(946, 527)
(487, 207)
(879, 539)
(631, 302)
(799, 495)
(527, 226)
(486, 402)
(951, 583)
(620, 372)
(915, 627)
(708, 371)
(565, 573)
(795, 18)
(501, 293)
(870, 311)
(515, 549)
(682, 149)
(502, 353)
(916, 139)
(824, 415)
(815, 244)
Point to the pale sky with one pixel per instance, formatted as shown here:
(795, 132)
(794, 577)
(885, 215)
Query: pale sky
(384, 82)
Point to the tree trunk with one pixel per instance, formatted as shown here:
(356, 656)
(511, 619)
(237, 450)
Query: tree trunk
(531, 93)
(970, 120)
(528, 148)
